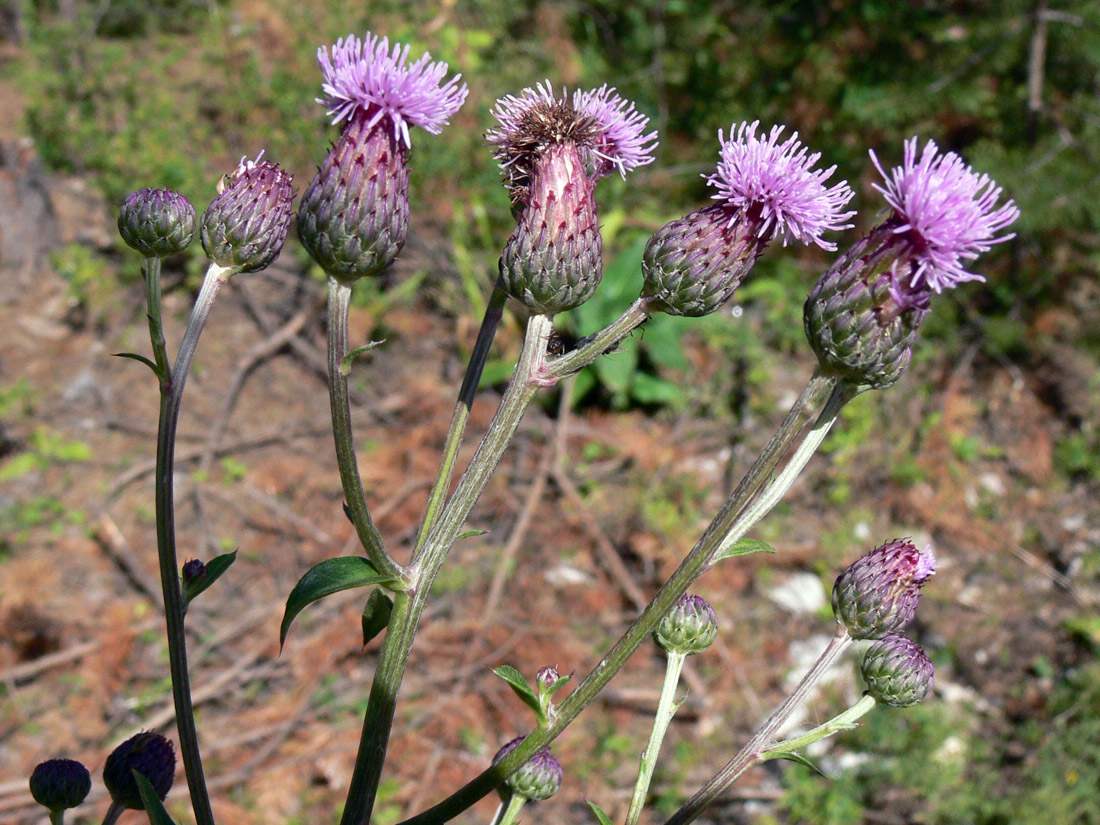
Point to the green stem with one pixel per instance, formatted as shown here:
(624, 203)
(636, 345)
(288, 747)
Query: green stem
(57, 817)
(170, 400)
(113, 813)
(151, 270)
(756, 749)
(736, 517)
(840, 722)
(339, 303)
(494, 311)
(409, 606)
(507, 812)
(666, 708)
(596, 345)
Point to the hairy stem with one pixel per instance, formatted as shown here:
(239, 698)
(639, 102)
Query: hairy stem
(339, 303)
(172, 386)
(409, 606)
(748, 504)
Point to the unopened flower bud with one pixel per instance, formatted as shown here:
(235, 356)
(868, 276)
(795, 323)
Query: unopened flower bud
(157, 222)
(59, 784)
(689, 627)
(192, 570)
(539, 777)
(897, 671)
(878, 593)
(148, 753)
(547, 677)
(245, 226)
(862, 316)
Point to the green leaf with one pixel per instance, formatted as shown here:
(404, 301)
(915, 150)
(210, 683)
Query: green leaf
(518, 684)
(324, 579)
(792, 756)
(214, 569)
(345, 364)
(649, 389)
(741, 547)
(599, 812)
(153, 806)
(376, 614)
(135, 357)
(616, 369)
(466, 534)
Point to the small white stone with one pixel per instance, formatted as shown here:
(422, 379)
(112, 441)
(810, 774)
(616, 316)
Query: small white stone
(801, 593)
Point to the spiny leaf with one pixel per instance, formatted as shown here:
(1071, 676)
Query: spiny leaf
(742, 547)
(376, 614)
(324, 579)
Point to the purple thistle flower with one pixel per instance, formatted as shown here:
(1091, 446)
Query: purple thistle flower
(948, 212)
(367, 76)
(774, 182)
(621, 141)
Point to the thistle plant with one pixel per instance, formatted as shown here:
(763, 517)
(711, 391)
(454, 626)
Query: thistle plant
(862, 319)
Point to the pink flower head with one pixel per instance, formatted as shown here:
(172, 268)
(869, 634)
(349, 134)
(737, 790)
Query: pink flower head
(605, 128)
(367, 76)
(878, 593)
(949, 213)
(776, 179)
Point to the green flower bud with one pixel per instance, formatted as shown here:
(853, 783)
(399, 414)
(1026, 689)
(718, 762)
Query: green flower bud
(539, 777)
(689, 627)
(897, 671)
(157, 222)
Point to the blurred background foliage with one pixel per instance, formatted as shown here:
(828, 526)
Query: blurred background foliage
(128, 93)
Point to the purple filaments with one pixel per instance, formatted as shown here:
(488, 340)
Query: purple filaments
(949, 212)
(367, 76)
(607, 128)
(776, 178)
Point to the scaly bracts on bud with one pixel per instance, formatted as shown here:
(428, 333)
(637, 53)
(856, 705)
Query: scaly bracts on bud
(862, 316)
(897, 671)
(552, 151)
(148, 753)
(245, 226)
(354, 216)
(157, 222)
(689, 627)
(539, 777)
(767, 188)
(878, 593)
(60, 784)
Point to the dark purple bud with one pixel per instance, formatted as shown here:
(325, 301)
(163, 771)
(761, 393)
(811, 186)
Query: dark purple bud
(547, 677)
(148, 753)
(59, 784)
(157, 222)
(689, 627)
(245, 226)
(539, 777)
(897, 671)
(192, 570)
(878, 594)
(354, 216)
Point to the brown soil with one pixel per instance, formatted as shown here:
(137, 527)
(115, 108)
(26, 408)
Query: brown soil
(82, 655)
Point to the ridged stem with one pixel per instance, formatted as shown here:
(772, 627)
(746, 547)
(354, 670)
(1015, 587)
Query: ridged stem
(666, 708)
(755, 750)
(339, 304)
(409, 606)
(171, 397)
(748, 504)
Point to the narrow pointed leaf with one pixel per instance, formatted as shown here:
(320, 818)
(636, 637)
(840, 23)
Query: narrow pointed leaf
(793, 756)
(324, 579)
(376, 614)
(214, 569)
(741, 547)
(465, 534)
(345, 365)
(599, 812)
(518, 684)
(135, 357)
(153, 806)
